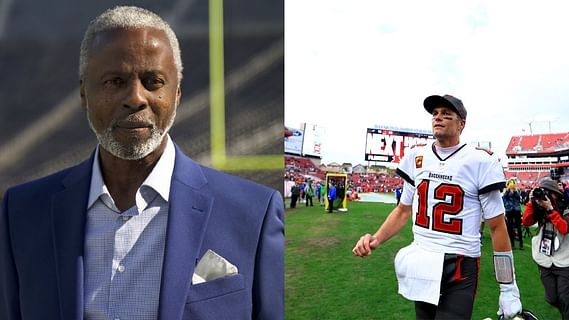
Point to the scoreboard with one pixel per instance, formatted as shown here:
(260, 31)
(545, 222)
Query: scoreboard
(386, 145)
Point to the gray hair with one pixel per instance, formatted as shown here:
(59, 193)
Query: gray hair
(124, 17)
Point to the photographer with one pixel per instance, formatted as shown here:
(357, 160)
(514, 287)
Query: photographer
(550, 247)
(512, 204)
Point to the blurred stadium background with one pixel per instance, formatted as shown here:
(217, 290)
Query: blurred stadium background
(44, 129)
(528, 158)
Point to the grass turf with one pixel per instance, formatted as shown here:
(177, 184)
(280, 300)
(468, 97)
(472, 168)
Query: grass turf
(324, 280)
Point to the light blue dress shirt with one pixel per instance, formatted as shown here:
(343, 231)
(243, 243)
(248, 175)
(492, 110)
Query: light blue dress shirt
(124, 250)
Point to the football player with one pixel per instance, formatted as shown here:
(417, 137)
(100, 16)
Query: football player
(449, 187)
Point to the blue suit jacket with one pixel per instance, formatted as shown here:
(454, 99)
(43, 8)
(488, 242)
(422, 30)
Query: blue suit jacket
(42, 226)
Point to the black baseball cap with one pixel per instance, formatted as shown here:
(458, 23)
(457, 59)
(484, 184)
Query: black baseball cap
(550, 185)
(434, 101)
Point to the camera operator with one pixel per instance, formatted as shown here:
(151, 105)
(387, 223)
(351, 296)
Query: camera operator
(550, 247)
(512, 204)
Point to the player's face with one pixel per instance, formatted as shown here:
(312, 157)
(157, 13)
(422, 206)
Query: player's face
(447, 126)
(130, 91)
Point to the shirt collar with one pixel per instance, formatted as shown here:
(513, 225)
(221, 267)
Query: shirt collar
(164, 168)
(98, 186)
(155, 180)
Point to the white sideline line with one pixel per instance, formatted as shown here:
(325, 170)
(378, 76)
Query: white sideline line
(234, 81)
(16, 149)
(4, 9)
(177, 11)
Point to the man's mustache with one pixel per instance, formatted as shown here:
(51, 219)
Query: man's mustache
(133, 121)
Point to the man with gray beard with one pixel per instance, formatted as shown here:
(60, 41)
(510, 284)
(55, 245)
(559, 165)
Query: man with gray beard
(139, 230)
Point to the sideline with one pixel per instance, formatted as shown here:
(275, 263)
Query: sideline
(4, 9)
(378, 197)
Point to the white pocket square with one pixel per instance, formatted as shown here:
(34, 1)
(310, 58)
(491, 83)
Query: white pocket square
(212, 266)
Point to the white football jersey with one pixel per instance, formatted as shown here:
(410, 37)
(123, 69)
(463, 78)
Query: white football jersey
(446, 205)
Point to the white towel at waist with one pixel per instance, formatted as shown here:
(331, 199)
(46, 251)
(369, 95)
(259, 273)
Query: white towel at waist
(419, 273)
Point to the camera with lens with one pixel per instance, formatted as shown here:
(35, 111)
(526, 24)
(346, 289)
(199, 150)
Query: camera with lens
(538, 211)
(539, 193)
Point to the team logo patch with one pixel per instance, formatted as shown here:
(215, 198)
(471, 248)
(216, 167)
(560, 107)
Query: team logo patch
(418, 162)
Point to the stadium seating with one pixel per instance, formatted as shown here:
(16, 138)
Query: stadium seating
(300, 168)
(538, 143)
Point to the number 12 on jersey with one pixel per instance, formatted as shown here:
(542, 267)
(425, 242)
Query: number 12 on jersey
(436, 219)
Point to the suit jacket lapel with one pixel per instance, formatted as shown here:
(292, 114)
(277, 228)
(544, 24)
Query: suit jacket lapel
(190, 206)
(68, 217)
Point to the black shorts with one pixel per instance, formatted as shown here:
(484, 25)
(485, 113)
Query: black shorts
(458, 289)
(556, 284)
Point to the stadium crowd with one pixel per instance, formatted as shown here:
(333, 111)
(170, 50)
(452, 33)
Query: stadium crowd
(302, 170)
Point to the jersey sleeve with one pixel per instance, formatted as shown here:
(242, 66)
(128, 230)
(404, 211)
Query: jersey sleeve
(492, 204)
(406, 167)
(491, 174)
(407, 194)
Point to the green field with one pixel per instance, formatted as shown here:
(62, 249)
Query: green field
(324, 280)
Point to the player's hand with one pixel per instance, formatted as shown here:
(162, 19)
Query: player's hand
(510, 304)
(365, 245)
